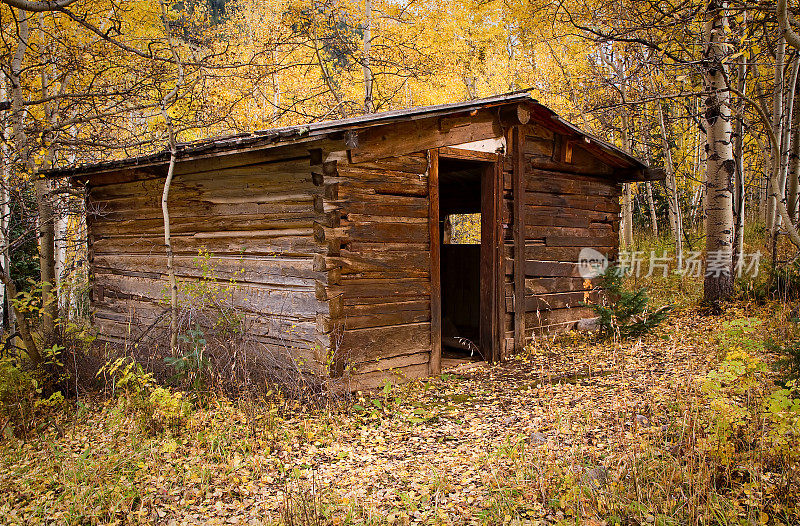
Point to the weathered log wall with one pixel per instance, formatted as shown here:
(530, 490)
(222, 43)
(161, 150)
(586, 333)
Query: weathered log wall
(571, 201)
(381, 249)
(256, 224)
(331, 259)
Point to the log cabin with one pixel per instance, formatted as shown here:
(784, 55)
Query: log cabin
(333, 233)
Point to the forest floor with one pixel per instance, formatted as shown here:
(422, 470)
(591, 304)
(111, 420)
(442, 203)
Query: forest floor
(576, 432)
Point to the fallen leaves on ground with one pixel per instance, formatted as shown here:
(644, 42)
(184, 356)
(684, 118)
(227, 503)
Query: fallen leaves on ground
(478, 445)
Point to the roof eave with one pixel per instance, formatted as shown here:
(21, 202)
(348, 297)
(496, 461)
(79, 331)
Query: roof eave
(279, 137)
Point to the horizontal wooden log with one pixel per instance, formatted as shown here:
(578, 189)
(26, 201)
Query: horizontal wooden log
(609, 204)
(369, 246)
(563, 217)
(360, 345)
(389, 364)
(415, 163)
(377, 174)
(377, 261)
(252, 178)
(471, 155)
(415, 136)
(569, 254)
(300, 301)
(289, 243)
(137, 209)
(538, 251)
(353, 188)
(544, 181)
(278, 271)
(213, 162)
(374, 380)
(283, 350)
(360, 288)
(577, 241)
(197, 224)
(551, 269)
(544, 318)
(558, 300)
(384, 205)
(383, 314)
(595, 231)
(376, 231)
(144, 316)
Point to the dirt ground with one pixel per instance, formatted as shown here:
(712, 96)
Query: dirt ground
(452, 450)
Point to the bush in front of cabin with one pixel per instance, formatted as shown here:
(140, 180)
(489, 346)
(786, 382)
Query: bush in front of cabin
(154, 407)
(624, 313)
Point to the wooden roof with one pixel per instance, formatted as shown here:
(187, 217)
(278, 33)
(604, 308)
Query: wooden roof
(628, 166)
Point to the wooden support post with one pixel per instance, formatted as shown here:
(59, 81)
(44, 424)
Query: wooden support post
(435, 365)
(491, 317)
(518, 194)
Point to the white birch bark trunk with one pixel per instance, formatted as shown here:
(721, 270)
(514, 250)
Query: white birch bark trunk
(739, 180)
(6, 315)
(794, 166)
(369, 104)
(777, 129)
(674, 209)
(718, 283)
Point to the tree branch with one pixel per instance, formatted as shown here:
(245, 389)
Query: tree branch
(773, 179)
(792, 38)
(39, 7)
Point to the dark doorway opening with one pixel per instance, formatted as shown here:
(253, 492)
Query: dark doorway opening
(461, 272)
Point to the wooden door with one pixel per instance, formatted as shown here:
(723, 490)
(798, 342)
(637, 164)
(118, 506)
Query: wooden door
(491, 258)
(491, 272)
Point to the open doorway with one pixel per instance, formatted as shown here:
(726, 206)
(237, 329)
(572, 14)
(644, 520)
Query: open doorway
(463, 269)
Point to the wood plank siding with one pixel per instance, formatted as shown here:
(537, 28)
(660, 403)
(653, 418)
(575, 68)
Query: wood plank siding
(382, 250)
(257, 223)
(570, 201)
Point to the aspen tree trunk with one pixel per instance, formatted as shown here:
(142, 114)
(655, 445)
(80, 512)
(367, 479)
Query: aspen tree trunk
(22, 322)
(739, 195)
(45, 225)
(774, 141)
(627, 215)
(718, 283)
(173, 149)
(793, 39)
(652, 205)
(369, 105)
(777, 121)
(626, 233)
(786, 137)
(674, 209)
(649, 192)
(7, 318)
(794, 165)
(627, 193)
(699, 199)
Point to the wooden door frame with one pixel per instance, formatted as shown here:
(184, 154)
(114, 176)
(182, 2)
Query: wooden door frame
(491, 270)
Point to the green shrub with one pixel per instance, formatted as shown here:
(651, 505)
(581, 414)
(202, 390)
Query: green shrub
(156, 408)
(18, 394)
(192, 367)
(24, 397)
(625, 315)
